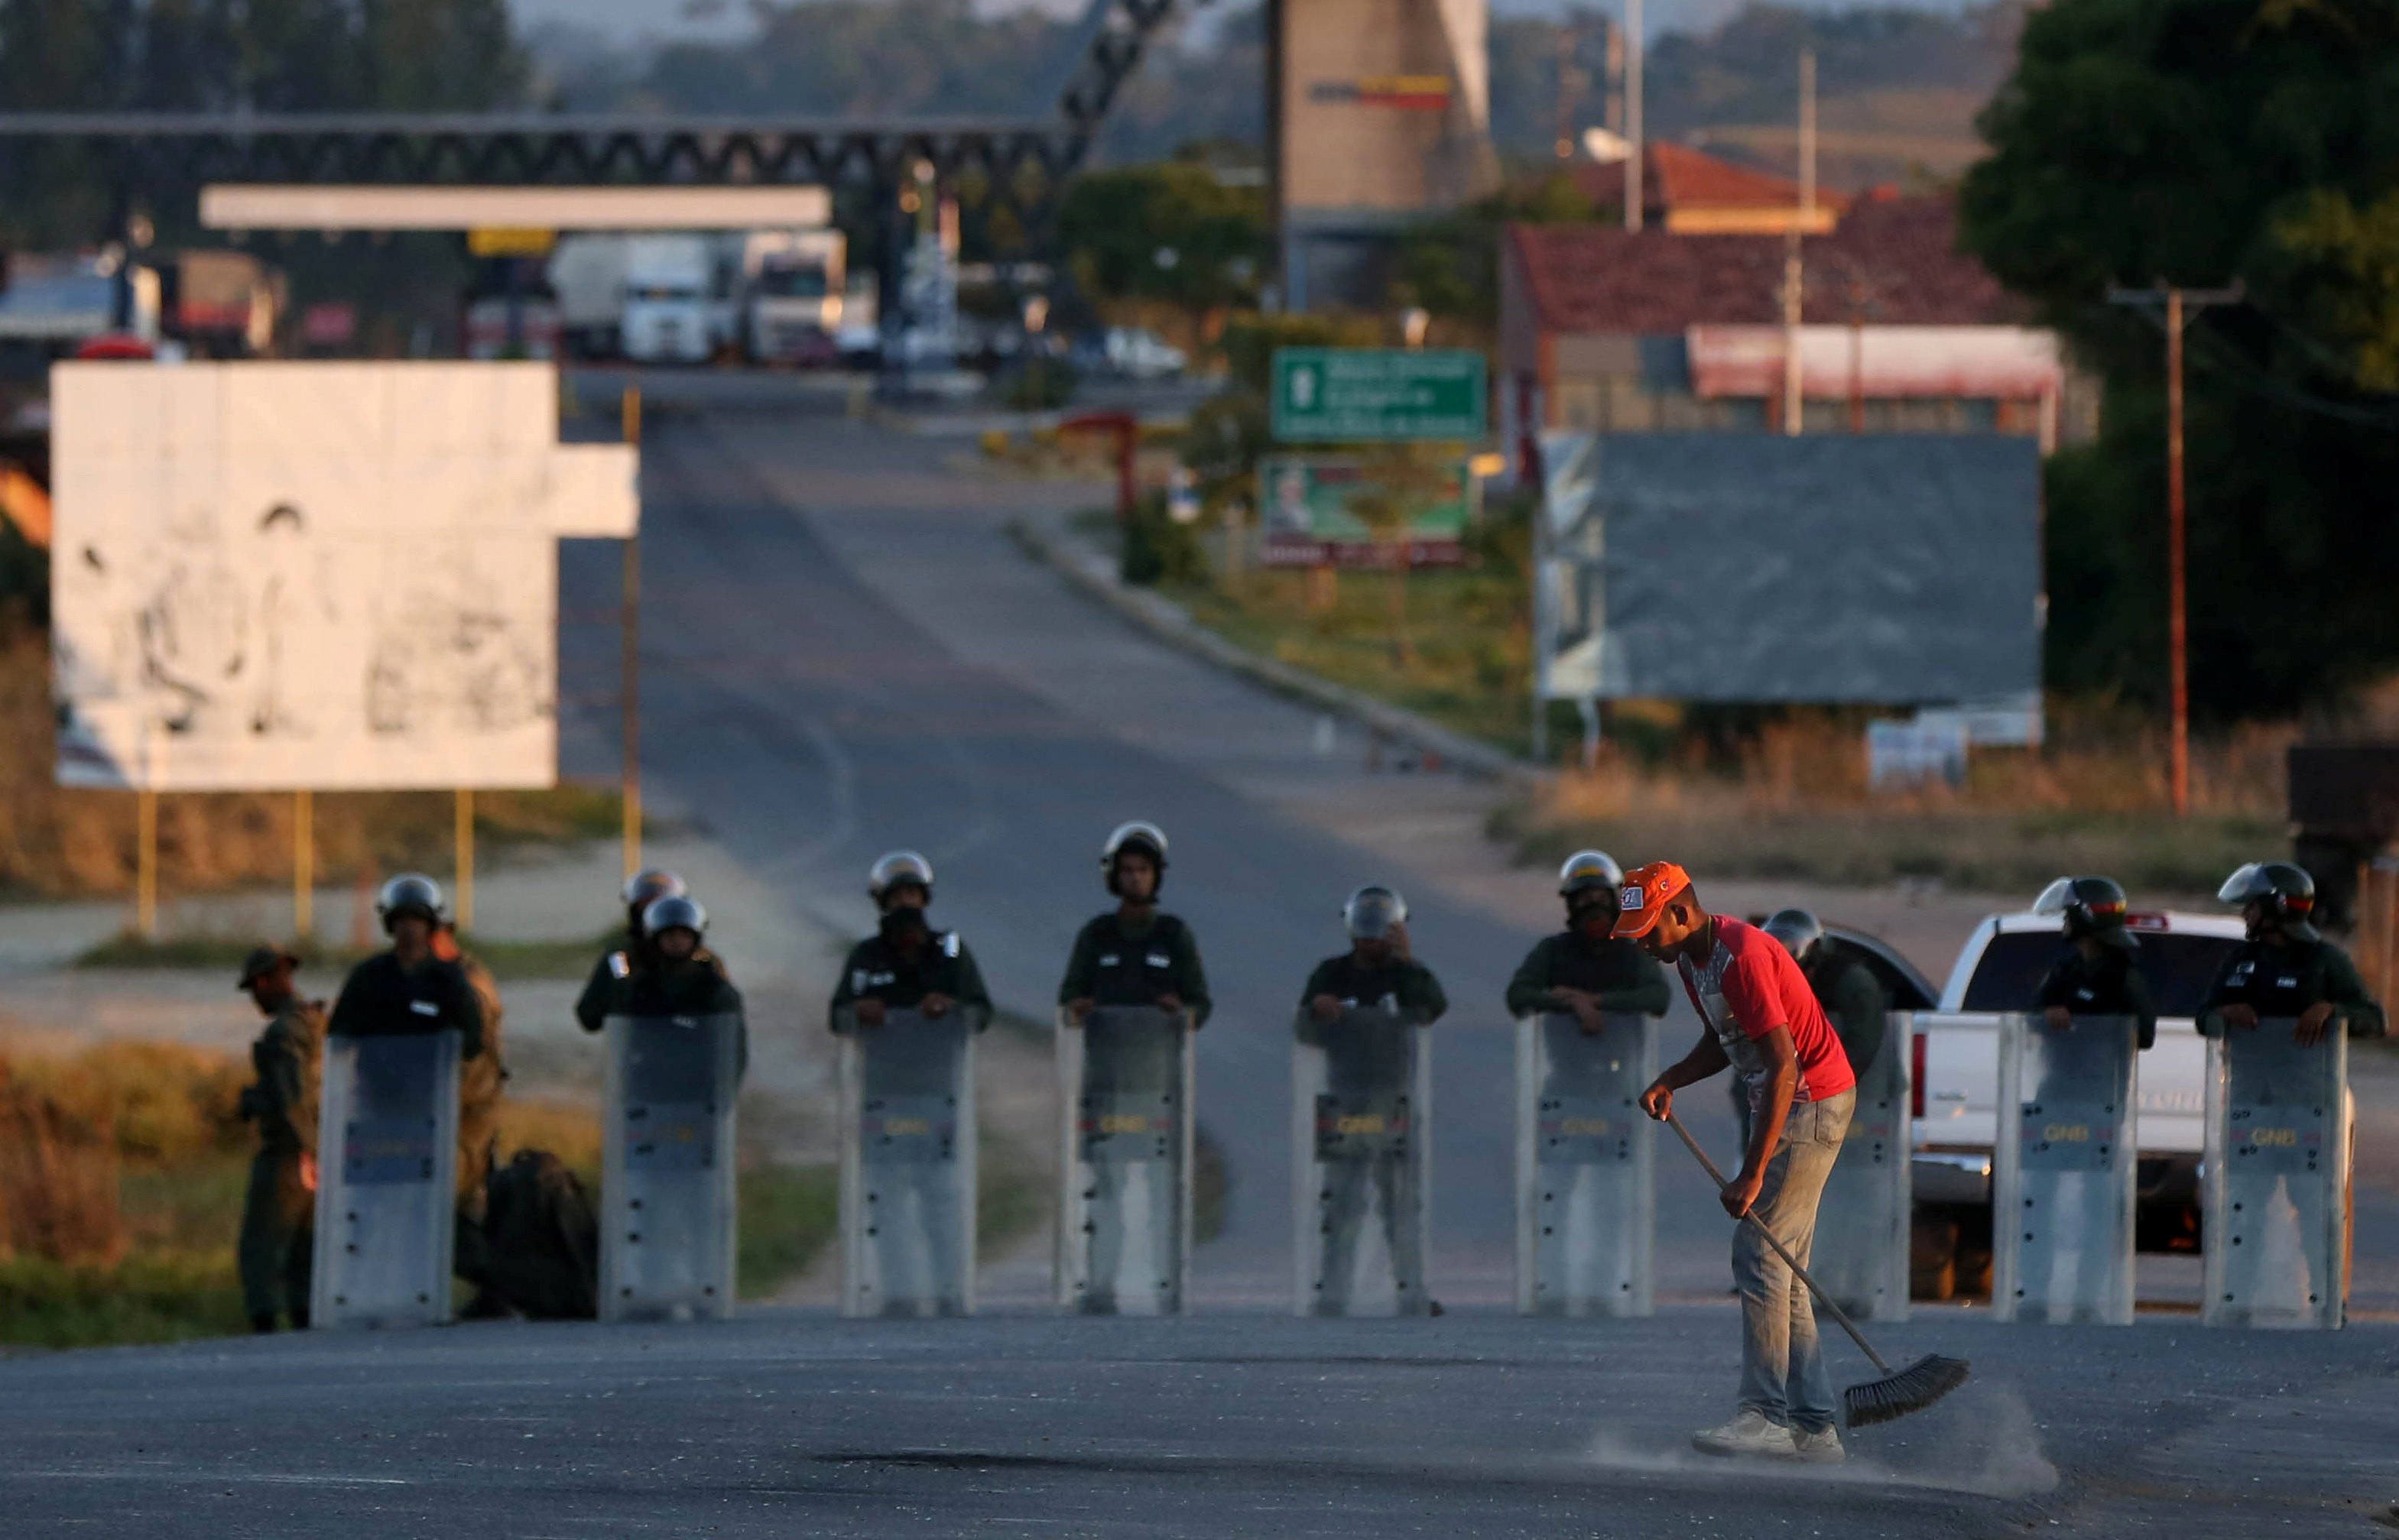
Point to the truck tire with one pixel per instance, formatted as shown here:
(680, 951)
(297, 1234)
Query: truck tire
(1932, 1256)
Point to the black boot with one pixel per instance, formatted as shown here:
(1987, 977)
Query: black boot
(263, 1323)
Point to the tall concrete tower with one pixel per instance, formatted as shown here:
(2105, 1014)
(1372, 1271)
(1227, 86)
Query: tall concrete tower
(1381, 113)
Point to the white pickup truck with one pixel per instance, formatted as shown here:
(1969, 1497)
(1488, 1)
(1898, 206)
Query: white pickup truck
(1956, 1076)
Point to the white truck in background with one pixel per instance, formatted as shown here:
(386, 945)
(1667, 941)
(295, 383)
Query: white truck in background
(666, 317)
(791, 283)
(586, 272)
(1956, 1079)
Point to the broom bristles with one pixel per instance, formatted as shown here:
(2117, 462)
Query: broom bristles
(1912, 1389)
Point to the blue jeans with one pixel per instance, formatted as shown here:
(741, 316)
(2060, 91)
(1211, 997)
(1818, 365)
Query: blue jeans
(1782, 1370)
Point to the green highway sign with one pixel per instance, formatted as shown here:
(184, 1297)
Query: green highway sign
(1342, 394)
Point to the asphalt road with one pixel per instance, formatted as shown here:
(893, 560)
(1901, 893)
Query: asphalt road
(843, 653)
(1224, 1424)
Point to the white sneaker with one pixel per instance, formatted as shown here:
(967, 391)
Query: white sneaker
(1748, 1433)
(1822, 1448)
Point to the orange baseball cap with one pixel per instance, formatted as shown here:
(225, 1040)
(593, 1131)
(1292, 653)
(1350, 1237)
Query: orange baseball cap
(1647, 889)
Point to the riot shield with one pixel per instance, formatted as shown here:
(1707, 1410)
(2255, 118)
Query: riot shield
(1586, 1204)
(1124, 1210)
(908, 1167)
(387, 1143)
(2277, 1179)
(1861, 1219)
(666, 1184)
(2064, 1186)
(1361, 1153)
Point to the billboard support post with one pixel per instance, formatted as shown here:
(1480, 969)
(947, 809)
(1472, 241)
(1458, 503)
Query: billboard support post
(463, 817)
(145, 863)
(304, 864)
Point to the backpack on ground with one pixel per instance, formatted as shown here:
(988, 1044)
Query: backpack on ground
(544, 1233)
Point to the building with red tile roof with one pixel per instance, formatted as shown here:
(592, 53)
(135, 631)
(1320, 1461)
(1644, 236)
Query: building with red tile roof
(1658, 330)
(1690, 192)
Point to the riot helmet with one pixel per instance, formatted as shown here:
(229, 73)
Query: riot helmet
(1147, 838)
(410, 893)
(1591, 880)
(675, 912)
(1371, 911)
(1589, 869)
(647, 887)
(2089, 906)
(1801, 932)
(2280, 892)
(898, 869)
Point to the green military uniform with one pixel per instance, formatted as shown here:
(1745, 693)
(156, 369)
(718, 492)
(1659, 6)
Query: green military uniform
(278, 1210)
(1121, 961)
(480, 1080)
(697, 986)
(2110, 985)
(2286, 981)
(1624, 977)
(1403, 986)
(1853, 1001)
(877, 969)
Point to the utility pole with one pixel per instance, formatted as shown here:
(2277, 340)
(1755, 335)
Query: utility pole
(2180, 305)
(1634, 48)
(629, 662)
(1794, 274)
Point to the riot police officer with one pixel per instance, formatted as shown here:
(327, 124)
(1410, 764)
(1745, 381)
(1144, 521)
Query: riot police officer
(1583, 969)
(673, 973)
(2286, 968)
(643, 889)
(278, 1210)
(1379, 969)
(1854, 1001)
(1133, 954)
(1378, 972)
(408, 990)
(2097, 974)
(906, 964)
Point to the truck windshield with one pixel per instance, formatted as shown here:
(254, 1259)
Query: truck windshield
(792, 283)
(2179, 968)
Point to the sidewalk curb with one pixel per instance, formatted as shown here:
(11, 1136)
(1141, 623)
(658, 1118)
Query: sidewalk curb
(1094, 574)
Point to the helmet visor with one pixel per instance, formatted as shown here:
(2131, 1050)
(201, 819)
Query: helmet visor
(2057, 898)
(1373, 915)
(2248, 883)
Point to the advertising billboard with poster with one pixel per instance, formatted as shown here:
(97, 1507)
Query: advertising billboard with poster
(1305, 517)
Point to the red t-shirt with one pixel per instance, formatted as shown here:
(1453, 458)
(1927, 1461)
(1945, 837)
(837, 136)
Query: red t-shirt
(1748, 987)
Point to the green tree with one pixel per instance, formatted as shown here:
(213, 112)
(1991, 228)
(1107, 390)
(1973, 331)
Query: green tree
(2201, 142)
(1171, 232)
(1450, 264)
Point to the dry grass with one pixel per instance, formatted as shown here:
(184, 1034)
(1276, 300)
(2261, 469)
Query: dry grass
(56, 843)
(1794, 805)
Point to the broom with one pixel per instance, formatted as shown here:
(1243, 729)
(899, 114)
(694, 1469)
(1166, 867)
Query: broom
(1896, 1394)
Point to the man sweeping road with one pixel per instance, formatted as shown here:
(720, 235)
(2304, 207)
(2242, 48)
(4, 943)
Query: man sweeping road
(1763, 1021)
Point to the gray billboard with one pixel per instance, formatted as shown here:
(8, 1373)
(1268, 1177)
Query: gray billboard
(1890, 569)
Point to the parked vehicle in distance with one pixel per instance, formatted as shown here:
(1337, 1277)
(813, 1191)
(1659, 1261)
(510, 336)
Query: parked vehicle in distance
(666, 314)
(792, 290)
(586, 272)
(523, 325)
(1134, 352)
(1957, 1080)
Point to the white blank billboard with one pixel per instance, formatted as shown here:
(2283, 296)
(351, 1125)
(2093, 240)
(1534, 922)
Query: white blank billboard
(323, 575)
